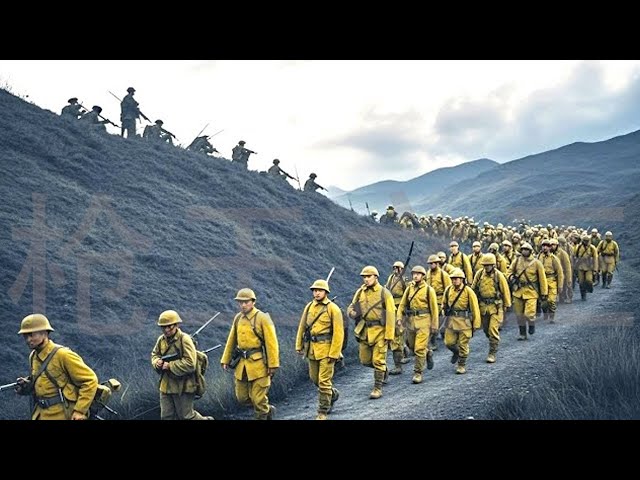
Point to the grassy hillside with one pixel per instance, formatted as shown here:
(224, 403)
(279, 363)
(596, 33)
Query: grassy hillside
(125, 229)
(578, 182)
(406, 195)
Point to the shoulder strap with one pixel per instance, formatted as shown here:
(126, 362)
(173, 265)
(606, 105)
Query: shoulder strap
(44, 365)
(415, 293)
(325, 308)
(455, 300)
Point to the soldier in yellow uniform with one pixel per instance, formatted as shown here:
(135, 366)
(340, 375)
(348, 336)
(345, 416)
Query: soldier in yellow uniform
(516, 241)
(319, 340)
(565, 294)
(61, 384)
(555, 279)
(501, 262)
(447, 267)
(462, 317)
(420, 306)
(375, 313)
(439, 280)
(253, 344)
(177, 377)
(586, 264)
(459, 260)
(529, 283)
(609, 258)
(494, 297)
(475, 259)
(396, 285)
(508, 253)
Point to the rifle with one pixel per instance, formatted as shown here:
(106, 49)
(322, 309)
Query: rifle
(200, 132)
(197, 332)
(165, 131)
(350, 204)
(321, 187)
(141, 114)
(330, 273)
(8, 386)
(212, 348)
(297, 178)
(368, 211)
(104, 118)
(406, 264)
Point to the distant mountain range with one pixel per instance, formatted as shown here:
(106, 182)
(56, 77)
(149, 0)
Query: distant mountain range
(407, 195)
(580, 182)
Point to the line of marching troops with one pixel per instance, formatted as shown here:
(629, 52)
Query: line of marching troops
(457, 295)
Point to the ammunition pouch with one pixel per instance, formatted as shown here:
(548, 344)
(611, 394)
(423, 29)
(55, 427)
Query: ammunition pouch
(239, 353)
(359, 330)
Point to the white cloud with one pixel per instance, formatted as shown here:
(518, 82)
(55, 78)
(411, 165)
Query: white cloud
(354, 122)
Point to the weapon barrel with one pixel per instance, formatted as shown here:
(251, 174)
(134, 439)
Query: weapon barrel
(170, 358)
(205, 325)
(213, 348)
(330, 273)
(8, 386)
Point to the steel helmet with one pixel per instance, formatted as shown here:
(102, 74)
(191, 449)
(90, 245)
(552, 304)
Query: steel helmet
(245, 294)
(433, 259)
(419, 269)
(369, 270)
(398, 264)
(168, 317)
(320, 285)
(488, 259)
(456, 273)
(35, 322)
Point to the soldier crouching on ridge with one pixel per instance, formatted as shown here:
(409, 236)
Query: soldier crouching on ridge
(420, 306)
(373, 310)
(320, 338)
(61, 384)
(252, 349)
(177, 377)
(462, 317)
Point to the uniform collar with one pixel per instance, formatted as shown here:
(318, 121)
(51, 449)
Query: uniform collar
(46, 350)
(251, 313)
(323, 302)
(375, 287)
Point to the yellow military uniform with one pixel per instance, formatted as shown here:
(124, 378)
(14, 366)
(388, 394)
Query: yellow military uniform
(463, 318)
(448, 268)
(609, 258)
(476, 264)
(555, 279)
(494, 297)
(439, 280)
(322, 346)
(420, 305)
(66, 371)
(376, 327)
(525, 293)
(566, 293)
(178, 384)
(396, 285)
(586, 262)
(461, 261)
(254, 335)
(501, 263)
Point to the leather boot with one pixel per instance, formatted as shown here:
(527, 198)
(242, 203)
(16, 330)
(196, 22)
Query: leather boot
(429, 360)
(418, 369)
(532, 328)
(523, 333)
(378, 376)
(493, 349)
(397, 361)
(460, 369)
(406, 353)
(335, 395)
(456, 354)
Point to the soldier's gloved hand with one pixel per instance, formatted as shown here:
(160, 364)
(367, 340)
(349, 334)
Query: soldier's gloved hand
(331, 361)
(271, 371)
(24, 386)
(299, 352)
(434, 332)
(159, 363)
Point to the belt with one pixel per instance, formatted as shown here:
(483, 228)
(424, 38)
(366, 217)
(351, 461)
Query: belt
(247, 353)
(371, 323)
(414, 313)
(459, 313)
(489, 300)
(321, 338)
(46, 402)
(609, 254)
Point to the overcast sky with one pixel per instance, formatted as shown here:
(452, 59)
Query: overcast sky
(356, 122)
